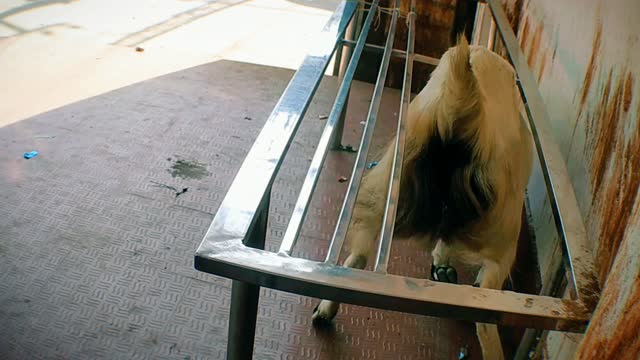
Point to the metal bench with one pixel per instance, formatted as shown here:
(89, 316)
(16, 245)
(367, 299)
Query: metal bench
(234, 244)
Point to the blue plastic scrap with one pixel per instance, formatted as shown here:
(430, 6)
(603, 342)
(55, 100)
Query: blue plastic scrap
(30, 154)
(372, 164)
(464, 353)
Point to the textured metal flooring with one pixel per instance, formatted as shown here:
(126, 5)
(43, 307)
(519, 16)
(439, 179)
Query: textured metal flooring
(96, 258)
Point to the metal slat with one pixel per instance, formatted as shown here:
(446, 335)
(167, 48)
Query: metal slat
(388, 223)
(396, 53)
(354, 183)
(237, 213)
(302, 204)
(233, 260)
(563, 200)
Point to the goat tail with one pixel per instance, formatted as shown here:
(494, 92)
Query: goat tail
(460, 99)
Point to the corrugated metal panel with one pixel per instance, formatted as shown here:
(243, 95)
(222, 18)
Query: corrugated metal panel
(586, 55)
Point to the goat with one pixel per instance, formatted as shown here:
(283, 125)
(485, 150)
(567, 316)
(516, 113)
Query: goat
(466, 165)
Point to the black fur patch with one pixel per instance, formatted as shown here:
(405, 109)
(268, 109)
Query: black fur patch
(434, 199)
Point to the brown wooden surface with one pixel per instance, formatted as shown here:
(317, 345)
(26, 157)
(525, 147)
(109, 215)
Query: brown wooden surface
(434, 22)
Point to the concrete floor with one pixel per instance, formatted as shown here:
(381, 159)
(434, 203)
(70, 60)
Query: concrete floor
(55, 52)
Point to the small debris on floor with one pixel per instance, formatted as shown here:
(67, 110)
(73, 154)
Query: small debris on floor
(247, 118)
(372, 164)
(45, 137)
(464, 353)
(323, 117)
(184, 190)
(30, 154)
(165, 186)
(139, 49)
(347, 148)
(342, 179)
(362, 122)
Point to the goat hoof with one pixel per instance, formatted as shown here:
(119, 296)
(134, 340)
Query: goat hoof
(324, 313)
(444, 273)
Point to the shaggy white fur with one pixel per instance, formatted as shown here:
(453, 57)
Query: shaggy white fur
(466, 166)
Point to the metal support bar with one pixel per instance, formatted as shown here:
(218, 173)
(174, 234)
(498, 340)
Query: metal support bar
(242, 320)
(396, 53)
(475, 37)
(336, 139)
(311, 179)
(340, 68)
(389, 217)
(563, 200)
(343, 56)
(492, 35)
(482, 25)
(530, 335)
(390, 292)
(354, 183)
(337, 60)
(245, 296)
(353, 31)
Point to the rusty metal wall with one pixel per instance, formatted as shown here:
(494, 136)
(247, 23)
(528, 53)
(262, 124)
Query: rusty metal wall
(586, 56)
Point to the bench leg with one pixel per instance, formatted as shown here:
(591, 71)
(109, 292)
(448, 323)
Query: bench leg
(242, 321)
(337, 135)
(245, 296)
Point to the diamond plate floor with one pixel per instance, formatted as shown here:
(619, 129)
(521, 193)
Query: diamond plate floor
(96, 252)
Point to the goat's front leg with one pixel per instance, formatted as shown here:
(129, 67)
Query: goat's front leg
(327, 309)
(441, 270)
(365, 226)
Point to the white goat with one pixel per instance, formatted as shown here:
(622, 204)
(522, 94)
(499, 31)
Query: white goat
(467, 162)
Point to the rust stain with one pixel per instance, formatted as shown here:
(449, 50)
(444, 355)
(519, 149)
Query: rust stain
(543, 64)
(591, 67)
(602, 104)
(617, 205)
(591, 293)
(514, 13)
(593, 336)
(535, 45)
(625, 342)
(573, 310)
(628, 92)
(606, 125)
(621, 342)
(525, 33)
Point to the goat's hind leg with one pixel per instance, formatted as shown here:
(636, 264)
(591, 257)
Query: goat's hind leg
(492, 276)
